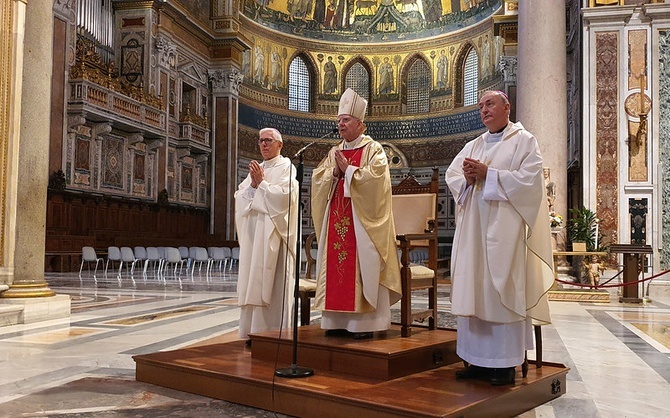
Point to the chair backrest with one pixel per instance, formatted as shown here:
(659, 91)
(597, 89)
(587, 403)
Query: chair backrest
(172, 255)
(215, 253)
(152, 254)
(201, 254)
(227, 252)
(235, 253)
(311, 247)
(140, 253)
(183, 251)
(415, 206)
(113, 253)
(191, 252)
(127, 254)
(88, 254)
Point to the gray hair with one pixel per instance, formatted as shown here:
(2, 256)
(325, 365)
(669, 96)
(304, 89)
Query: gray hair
(276, 135)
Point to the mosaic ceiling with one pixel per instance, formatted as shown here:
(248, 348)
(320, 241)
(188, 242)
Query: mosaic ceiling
(368, 20)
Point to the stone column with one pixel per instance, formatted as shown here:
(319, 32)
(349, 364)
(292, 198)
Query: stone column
(541, 87)
(225, 93)
(29, 289)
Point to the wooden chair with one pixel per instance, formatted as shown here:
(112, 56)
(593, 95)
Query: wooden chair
(415, 218)
(307, 288)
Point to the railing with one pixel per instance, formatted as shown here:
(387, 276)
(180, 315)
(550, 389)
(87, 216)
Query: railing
(87, 93)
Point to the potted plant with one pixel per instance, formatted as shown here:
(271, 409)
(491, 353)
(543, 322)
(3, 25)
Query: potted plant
(582, 227)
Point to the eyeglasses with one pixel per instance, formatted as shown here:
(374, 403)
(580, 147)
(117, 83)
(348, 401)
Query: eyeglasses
(266, 141)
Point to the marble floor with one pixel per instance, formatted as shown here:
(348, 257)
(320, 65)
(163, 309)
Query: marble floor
(618, 354)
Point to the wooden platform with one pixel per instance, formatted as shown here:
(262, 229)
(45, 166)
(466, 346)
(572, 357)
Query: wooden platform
(387, 376)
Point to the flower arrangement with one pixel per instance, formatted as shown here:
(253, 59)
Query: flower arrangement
(555, 220)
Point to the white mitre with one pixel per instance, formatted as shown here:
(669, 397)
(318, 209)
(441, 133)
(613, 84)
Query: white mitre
(352, 104)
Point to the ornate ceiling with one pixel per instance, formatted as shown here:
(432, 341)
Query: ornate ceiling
(364, 21)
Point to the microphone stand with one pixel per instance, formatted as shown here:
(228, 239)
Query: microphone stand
(294, 370)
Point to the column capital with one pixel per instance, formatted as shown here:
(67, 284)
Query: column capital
(226, 82)
(508, 64)
(167, 52)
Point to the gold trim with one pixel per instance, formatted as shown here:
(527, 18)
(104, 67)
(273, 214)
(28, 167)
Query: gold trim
(36, 290)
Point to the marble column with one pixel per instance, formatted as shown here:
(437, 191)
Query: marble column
(28, 289)
(225, 94)
(541, 87)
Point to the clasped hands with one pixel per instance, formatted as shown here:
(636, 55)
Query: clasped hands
(474, 170)
(256, 173)
(341, 164)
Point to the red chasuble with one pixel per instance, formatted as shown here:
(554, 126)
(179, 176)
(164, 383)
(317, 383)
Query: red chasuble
(341, 258)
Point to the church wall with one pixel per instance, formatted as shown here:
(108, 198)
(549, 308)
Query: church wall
(624, 155)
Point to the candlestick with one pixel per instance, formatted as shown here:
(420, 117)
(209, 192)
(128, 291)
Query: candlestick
(596, 246)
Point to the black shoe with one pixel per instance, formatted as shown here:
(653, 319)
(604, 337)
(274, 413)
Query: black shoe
(362, 335)
(247, 343)
(337, 333)
(473, 372)
(502, 377)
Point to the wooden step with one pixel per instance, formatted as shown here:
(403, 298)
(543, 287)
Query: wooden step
(385, 356)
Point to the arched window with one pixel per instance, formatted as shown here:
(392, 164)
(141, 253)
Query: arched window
(470, 78)
(358, 79)
(418, 87)
(298, 85)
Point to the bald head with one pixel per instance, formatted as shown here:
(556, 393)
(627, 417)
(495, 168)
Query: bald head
(494, 110)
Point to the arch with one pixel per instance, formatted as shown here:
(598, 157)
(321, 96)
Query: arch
(459, 72)
(313, 77)
(367, 66)
(416, 84)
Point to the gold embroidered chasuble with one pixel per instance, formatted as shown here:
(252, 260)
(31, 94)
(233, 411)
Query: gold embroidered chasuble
(370, 190)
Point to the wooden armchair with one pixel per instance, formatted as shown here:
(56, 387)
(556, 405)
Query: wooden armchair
(307, 287)
(415, 218)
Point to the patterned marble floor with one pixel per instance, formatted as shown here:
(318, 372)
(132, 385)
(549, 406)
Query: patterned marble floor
(619, 354)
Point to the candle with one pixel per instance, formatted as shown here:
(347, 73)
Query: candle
(596, 246)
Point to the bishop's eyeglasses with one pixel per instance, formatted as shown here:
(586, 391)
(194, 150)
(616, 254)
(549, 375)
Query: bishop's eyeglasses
(266, 141)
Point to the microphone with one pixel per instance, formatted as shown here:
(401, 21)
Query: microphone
(301, 150)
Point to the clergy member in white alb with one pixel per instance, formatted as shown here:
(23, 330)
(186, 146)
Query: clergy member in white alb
(501, 259)
(358, 274)
(266, 216)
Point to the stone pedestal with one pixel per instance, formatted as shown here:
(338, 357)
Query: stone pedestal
(29, 310)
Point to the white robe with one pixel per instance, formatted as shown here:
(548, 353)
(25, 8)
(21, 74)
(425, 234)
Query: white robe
(501, 262)
(266, 220)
